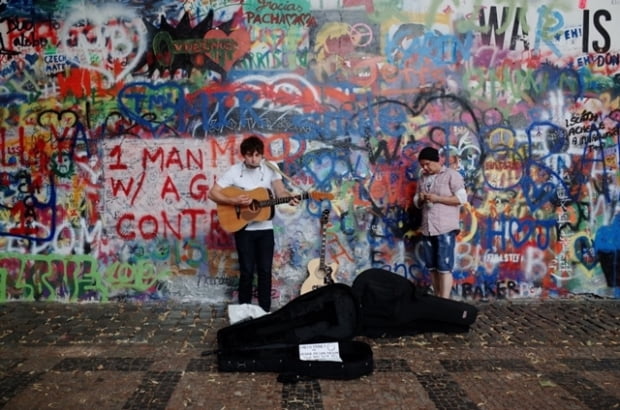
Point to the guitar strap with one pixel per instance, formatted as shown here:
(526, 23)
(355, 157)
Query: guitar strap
(279, 171)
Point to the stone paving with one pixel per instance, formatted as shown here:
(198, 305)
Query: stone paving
(561, 354)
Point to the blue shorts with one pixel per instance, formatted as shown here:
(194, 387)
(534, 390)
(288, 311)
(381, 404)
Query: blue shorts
(438, 251)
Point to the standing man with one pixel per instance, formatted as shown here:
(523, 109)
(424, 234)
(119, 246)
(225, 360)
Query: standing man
(255, 242)
(440, 194)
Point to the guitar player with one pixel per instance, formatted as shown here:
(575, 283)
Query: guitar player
(255, 242)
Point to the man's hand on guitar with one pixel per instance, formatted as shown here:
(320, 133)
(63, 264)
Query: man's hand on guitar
(295, 200)
(243, 200)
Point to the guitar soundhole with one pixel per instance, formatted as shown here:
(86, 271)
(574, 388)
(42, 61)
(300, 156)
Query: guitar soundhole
(254, 206)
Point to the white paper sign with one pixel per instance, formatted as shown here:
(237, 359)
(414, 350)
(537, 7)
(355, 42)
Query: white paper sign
(322, 352)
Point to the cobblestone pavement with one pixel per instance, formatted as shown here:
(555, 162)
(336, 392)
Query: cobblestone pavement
(518, 355)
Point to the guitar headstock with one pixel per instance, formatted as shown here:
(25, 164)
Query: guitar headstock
(319, 196)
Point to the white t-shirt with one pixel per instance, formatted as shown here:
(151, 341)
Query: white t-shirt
(240, 176)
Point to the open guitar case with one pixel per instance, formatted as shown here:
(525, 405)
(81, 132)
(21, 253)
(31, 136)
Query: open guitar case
(392, 306)
(274, 342)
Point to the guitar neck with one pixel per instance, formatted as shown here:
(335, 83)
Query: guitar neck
(322, 252)
(323, 242)
(327, 279)
(281, 200)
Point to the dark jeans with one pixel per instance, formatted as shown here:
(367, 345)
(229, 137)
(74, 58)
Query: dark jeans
(255, 253)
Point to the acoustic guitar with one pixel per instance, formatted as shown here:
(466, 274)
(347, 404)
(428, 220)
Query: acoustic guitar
(235, 217)
(320, 273)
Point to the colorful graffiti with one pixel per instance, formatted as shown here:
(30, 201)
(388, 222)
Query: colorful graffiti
(117, 117)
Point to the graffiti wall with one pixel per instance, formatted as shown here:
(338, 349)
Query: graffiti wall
(117, 117)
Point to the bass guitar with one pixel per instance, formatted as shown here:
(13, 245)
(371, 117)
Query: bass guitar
(320, 273)
(235, 217)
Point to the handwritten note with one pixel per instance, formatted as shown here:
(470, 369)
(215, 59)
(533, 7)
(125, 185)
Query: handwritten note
(322, 352)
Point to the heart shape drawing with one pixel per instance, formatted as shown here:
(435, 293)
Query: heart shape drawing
(521, 231)
(585, 252)
(59, 120)
(115, 38)
(537, 194)
(139, 100)
(320, 166)
(227, 49)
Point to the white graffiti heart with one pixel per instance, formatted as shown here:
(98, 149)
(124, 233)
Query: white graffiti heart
(104, 40)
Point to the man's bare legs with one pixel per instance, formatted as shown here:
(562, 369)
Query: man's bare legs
(442, 283)
(435, 281)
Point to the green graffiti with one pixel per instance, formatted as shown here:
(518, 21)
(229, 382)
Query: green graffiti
(51, 277)
(3, 277)
(140, 276)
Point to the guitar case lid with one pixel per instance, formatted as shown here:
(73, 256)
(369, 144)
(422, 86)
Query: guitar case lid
(355, 361)
(328, 313)
(391, 306)
(273, 343)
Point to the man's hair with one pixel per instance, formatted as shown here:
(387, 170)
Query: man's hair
(429, 154)
(252, 144)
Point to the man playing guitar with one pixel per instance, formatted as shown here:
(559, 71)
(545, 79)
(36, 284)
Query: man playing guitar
(255, 241)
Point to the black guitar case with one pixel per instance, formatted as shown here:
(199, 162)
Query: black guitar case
(272, 343)
(393, 306)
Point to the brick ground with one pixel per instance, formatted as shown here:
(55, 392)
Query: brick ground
(518, 355)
